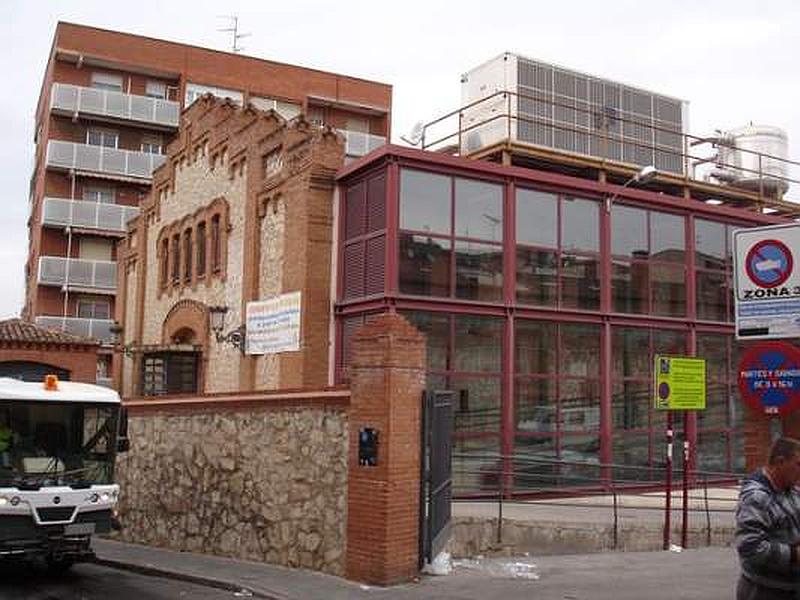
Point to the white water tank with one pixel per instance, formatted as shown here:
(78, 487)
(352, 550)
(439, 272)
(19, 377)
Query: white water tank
(752, 157)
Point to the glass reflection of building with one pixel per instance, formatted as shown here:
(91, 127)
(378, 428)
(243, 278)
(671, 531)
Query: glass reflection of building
(542, 309)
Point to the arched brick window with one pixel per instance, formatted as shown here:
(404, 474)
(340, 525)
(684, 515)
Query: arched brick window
(187, 255)
(164, 275)
(216, 244)
(200, 241)
(176, 259)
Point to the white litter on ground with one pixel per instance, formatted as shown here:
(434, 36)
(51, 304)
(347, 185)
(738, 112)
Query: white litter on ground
(440, 565)
(674, 548)
(514, 568)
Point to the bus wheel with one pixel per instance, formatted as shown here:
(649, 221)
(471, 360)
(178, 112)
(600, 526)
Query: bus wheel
(59, 565)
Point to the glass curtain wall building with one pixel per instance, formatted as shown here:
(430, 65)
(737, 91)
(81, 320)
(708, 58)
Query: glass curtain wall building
(543, 307)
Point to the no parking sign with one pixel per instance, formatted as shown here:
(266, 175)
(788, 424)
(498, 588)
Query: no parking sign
(767, 282)
(769, 377)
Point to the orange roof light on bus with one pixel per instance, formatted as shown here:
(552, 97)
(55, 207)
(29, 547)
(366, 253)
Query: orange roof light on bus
(51, 383)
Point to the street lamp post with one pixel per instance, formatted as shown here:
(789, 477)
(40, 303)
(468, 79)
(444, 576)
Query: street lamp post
(644, 175)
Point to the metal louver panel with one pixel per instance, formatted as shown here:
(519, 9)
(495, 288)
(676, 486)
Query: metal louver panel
(354, 212)
(570, 111)
(376, 203)
(354, 271)
(375, 266)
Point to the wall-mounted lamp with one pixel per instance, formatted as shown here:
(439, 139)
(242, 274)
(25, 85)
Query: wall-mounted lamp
(644, 175)
(116, 339)
(235, 337)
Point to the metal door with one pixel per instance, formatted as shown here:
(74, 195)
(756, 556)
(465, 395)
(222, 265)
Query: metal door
(436, 483)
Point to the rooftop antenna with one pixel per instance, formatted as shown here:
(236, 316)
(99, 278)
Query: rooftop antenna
(234, 30)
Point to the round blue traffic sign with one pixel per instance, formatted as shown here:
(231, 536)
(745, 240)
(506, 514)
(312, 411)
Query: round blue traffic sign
(769, 263)
(769, 377)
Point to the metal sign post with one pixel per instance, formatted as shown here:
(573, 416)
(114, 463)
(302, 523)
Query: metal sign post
(685, 507)
(680, 384)
(668, 483)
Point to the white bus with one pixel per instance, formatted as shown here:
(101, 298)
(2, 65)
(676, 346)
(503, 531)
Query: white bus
(58, 442)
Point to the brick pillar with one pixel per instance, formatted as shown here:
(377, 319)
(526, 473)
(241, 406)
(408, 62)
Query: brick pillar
(756, 438)
(387, 379)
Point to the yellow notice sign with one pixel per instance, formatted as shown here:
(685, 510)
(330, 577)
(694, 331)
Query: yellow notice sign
(680, 383)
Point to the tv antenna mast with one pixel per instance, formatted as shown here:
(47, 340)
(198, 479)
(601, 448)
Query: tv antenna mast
(234, 31)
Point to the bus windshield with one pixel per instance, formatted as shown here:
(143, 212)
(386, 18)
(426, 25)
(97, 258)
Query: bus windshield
(56, 443)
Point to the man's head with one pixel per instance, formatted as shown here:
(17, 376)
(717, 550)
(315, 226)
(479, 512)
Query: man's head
(784, 462)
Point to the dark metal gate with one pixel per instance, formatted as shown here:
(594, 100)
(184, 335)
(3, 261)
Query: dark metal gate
(436, 483)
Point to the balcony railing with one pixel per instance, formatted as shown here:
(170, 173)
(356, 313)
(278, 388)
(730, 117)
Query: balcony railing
(99, 275)
(360, 144)
(74, 99)
(99, 159)
(61, 212)
(99, 329)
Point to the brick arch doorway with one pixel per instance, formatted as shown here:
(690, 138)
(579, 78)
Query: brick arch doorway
(184, 337)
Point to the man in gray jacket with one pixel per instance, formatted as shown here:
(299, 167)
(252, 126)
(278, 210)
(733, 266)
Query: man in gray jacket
(768, 527)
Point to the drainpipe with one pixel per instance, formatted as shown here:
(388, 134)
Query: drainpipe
(68, 231)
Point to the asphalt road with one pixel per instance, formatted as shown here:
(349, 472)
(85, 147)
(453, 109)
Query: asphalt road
(23, 581)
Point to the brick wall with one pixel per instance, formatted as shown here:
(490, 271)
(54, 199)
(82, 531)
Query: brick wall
(80, 361)
(388, 377)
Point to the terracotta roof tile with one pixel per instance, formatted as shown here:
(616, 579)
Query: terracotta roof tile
(17, 330)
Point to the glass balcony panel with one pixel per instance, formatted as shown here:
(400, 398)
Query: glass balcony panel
(167, 112)
(110, 216)
(52, 270)
(84, 214)
(58, 270)
(99, 329)
(65, 97)
(80, 272)
(61, 154)
(89, 100)
(117, 104)
(358, 143)
(105, 275)
(109, 103)
(87, 215)
(87, 158)
(56, 212)
(140, 164)
(114, 161)
(142, 108)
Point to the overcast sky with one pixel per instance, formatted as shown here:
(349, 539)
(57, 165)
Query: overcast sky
(733, 60)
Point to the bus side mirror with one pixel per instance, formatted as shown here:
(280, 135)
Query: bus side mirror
(123, 443)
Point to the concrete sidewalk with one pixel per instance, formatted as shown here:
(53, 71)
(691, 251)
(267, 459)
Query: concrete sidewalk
(708, 573)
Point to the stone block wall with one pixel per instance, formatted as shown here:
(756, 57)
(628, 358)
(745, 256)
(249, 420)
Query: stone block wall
(260, 478)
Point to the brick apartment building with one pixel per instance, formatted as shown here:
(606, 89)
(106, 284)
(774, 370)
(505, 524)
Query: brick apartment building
(110, 103)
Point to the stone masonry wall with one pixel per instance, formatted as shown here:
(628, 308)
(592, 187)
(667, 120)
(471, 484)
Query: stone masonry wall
(272, 232)
(254, 484)
(196, 185)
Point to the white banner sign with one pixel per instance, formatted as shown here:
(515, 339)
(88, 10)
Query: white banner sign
(767, 282)
(274, 325)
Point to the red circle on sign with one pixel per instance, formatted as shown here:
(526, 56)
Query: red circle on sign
(763, 357)
(756, 251)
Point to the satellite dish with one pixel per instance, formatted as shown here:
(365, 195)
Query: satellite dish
(414, 137)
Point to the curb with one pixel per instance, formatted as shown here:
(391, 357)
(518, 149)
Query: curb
(219, 584)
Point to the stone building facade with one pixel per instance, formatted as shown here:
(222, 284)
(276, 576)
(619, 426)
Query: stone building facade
(241, 191)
